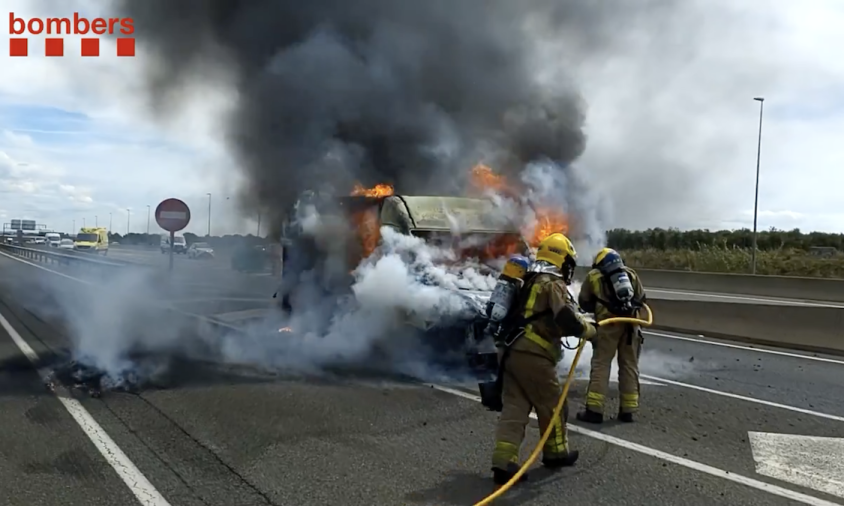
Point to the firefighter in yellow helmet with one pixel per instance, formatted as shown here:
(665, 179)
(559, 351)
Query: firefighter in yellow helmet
(545, 312)
(613, 289)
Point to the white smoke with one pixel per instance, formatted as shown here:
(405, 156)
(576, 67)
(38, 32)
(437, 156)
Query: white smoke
(405, 279)
(118, 325)
(550, 186)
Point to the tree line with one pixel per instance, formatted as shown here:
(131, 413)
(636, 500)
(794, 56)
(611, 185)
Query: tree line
(772, 239)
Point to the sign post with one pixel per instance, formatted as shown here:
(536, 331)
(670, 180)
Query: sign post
(172, 215)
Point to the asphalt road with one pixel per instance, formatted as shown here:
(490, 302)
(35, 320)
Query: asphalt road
(230, 436)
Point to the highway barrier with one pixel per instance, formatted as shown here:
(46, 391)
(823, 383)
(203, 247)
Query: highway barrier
(788, 287)
(64, 258)
(815, 329)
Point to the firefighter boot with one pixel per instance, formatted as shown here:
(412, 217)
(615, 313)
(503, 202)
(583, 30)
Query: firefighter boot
(625, 417)
(589, 416)
(558, 461)
(502, 476)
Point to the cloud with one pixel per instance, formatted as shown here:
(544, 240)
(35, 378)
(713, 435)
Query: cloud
(76, 136)
(671, 127)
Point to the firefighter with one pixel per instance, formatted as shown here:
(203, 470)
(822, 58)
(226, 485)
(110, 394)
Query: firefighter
(612, 289)
(545, 312)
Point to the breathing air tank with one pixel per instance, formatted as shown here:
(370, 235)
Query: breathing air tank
(612, 267)
(506, 289)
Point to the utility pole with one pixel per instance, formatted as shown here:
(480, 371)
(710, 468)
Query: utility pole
(761, 101)
(209, 215)
(109, 221)
(147, 219)
(83, 222)
(259, 224)
(96, 223)
(73, 229)
(128, 215)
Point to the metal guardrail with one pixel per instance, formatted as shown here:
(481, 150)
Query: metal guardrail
(51, 256)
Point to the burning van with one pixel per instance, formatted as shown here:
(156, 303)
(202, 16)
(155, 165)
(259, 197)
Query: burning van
(464, 231)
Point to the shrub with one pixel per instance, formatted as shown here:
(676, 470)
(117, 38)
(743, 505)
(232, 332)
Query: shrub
(780, 262)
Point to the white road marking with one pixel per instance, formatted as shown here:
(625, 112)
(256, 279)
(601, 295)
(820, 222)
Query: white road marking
(680, 461)
(748, 399)
(138, 484)
(807, 461)
(772, 300)
(749, 348)
(45, 269)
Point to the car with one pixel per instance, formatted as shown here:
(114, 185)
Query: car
(179, 244)
(200, 250)
(66, 244)
(53, 239)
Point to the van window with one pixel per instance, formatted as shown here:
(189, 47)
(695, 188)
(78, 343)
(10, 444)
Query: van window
(178, 240)
(87, 237)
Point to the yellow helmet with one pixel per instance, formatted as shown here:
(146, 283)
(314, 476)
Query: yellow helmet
(607, 259)
(599, 257)
(556, 249)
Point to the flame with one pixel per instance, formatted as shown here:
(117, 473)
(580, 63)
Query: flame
(485, 179)
(379, 190)
(366, 221)
(548, 220)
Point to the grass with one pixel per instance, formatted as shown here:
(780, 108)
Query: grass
(737, 260)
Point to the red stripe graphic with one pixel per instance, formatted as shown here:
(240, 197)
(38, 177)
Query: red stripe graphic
(54, 47)
(90, 47)
(18, 47)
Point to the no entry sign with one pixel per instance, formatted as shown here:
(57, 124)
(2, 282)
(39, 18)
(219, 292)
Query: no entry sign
(172, 215)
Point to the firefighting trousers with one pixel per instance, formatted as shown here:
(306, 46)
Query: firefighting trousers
(626, 341)
(530, 382)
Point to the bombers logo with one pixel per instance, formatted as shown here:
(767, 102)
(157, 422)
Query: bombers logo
(76, 25)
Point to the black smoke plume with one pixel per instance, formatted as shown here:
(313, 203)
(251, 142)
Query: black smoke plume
(409, 92)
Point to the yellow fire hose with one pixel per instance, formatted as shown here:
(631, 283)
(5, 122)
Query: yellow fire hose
(536, 451)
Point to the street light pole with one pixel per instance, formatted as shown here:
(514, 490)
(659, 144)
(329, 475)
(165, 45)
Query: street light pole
(147, 219)
(128, 215)
(96, 222)
(761, 101)
(110, 219)
(259, 224)
(209, 215)
(83, 222)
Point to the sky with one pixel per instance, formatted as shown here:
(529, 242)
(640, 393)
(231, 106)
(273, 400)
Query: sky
(76, 144)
